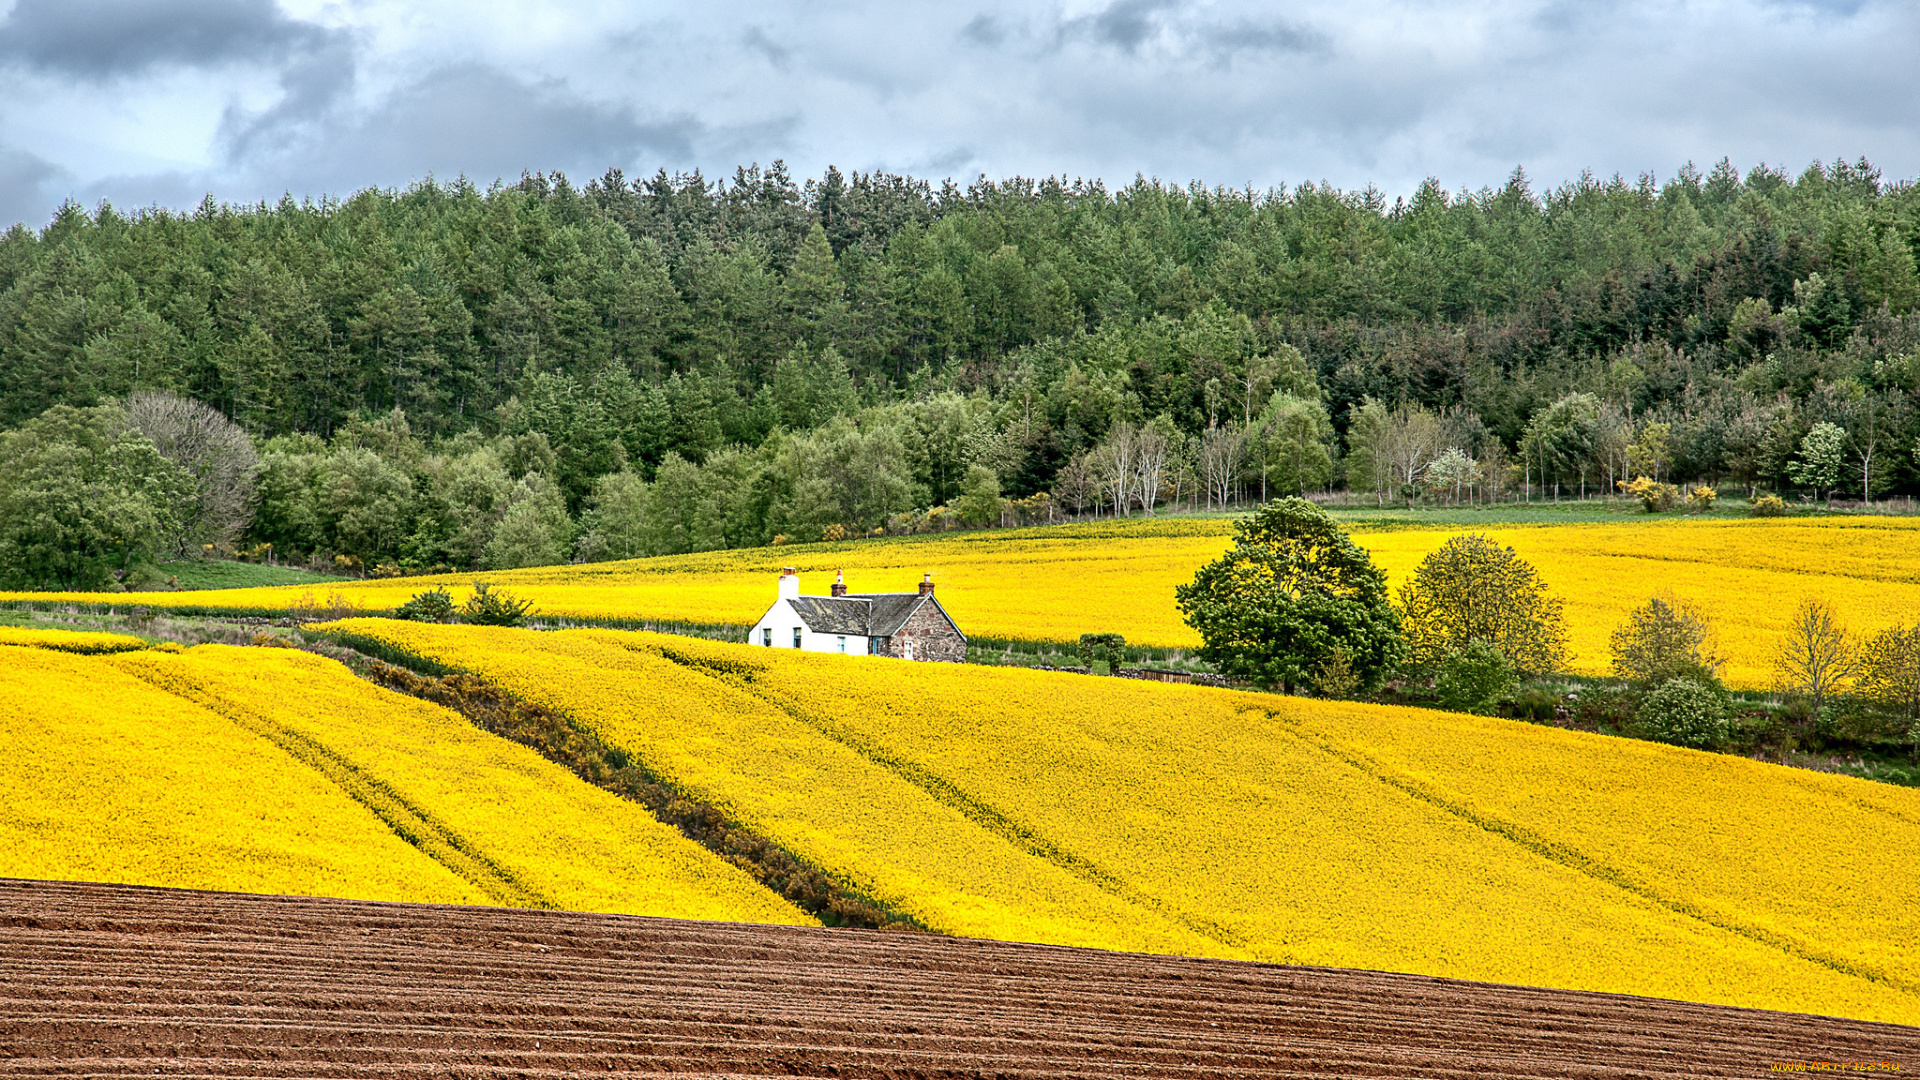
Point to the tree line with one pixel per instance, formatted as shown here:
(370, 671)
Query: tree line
(678, 364)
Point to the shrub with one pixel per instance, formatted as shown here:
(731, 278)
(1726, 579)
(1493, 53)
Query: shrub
(1769, 506)
(1685, 712)
(1101, 651)
(833, 533)
(1890, 670)
(1702, 498)
(434, 606)
(1656, 497)
(488, 608)
(1664, 640)
(1474, 678)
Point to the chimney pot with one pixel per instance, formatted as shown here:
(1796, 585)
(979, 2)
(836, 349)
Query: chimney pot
(839, 583)
(926, 585)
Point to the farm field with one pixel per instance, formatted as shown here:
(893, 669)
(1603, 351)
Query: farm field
(107, 981)
(1053, 584)
(1031, 806)
(272, 770)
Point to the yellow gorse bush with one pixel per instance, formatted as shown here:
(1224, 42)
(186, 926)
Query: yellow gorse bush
(86, 642)
(1054, 584)
(1276, 828)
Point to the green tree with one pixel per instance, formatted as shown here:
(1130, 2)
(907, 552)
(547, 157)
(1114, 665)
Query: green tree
(1293, 593)
(1823, 459)
(83, 498)
(1472, 589)
(615, 523)
(1474, 678)
(535, 529)
(1665, 639)
(979, 502)
(1890, 670)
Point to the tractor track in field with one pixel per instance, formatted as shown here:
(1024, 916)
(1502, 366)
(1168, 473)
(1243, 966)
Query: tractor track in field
(113, 980)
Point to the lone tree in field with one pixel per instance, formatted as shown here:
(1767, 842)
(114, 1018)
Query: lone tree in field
(1816, 657)
(1890, 670)
(1474, 590)
(1665, 639)
(1294, 598)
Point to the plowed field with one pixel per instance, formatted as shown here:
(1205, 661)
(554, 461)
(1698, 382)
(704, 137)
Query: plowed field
(120, 981)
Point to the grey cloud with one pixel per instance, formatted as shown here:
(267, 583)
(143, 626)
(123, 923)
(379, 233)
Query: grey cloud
(1124, 24)
(25, 183)
(1228, 40)
(482, 122)
(757, 40)
(103, 39)
(983, 29)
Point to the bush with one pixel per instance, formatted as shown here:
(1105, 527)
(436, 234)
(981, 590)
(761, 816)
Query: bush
(1656, 497)
(1702, 498)
(1684, 712)
(1769, 506)
(434, 606)
(488, 608)
(1474, 678)
(1101, 651)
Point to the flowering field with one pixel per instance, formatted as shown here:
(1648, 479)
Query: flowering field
(1035, 806)
(106, 778)
(1056, 583)
(73, 641)
(272, 770)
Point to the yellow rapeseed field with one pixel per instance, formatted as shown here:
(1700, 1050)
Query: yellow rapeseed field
(822, 801)
(105, 778)
(1056, 583)
(1276, 828)
(520, 829)
(73, 641)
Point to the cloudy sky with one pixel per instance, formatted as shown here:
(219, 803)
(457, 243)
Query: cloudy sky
(145, 102)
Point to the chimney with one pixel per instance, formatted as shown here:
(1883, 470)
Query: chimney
(789, 583)
(926, 585)
(839, 583)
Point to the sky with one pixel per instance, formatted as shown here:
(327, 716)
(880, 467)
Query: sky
(162, 102)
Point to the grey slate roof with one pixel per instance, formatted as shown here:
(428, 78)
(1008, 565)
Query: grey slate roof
(866, 614)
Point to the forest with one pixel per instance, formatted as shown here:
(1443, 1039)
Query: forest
(457, 376)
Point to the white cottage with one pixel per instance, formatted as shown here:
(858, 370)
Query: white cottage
(910, 626)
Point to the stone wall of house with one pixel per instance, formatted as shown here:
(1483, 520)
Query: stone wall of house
(933, 637)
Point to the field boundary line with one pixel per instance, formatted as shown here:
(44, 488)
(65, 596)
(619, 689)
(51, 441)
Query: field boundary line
(411, 823)
(1573, 859)
(944, 791)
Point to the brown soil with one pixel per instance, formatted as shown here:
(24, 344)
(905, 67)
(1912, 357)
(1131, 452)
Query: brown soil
(110, 980)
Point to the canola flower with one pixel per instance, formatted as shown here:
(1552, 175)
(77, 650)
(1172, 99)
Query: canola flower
(1277, 828)
(1054, 584)
(86, 642)
(522, 830)
(820, 800)
(106, 778)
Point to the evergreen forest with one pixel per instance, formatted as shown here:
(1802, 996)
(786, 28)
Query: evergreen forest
(457, 376)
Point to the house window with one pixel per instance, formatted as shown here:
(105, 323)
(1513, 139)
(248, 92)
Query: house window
(796, 637)
(766, 637)
(877, 646)
(843, 643)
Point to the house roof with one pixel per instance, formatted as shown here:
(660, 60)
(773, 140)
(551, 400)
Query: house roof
(866, 614)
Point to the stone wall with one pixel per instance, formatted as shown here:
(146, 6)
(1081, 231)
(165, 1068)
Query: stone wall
(933, 637)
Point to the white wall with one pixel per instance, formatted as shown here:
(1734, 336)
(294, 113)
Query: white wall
(781, 619)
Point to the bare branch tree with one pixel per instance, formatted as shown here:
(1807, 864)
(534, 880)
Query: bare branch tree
(1816, 657)
(1222, 450)
(213, 450)
(1151, 447)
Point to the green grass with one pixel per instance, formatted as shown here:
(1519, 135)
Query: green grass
(228, 574)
